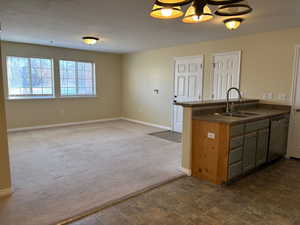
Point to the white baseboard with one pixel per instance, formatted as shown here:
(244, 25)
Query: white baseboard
(186, 171)
(148, 124)
(61, 124)
(86, 122)
(5, 192)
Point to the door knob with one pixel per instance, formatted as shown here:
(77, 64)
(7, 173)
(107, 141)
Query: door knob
(175, 96)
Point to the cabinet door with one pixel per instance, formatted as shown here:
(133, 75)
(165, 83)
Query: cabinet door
(262, 147)
(275, 140)
(284, 128)
(250, 146)
(278, 138)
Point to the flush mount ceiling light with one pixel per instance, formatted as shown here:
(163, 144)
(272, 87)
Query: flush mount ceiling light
(198, 10)
(233, 23)
(90, 40)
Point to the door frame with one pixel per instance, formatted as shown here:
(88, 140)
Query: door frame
(173, 77)
(239, 53)
(296, 76)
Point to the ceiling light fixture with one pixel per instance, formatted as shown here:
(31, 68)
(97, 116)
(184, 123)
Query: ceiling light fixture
(222, 2)
(199, 11)
(160, 11)
(173, 2)
(90, 40)
(233, 23)
(194, 15)
(233, 10)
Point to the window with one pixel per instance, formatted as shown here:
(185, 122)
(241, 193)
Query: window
(77, 78)
(29, 77)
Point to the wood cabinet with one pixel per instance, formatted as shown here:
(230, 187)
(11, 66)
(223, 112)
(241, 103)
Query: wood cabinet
(222, 152)
(210, 154)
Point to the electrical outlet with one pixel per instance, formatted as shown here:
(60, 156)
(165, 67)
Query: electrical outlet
(270, 96)
(211, 135)
(282, 97)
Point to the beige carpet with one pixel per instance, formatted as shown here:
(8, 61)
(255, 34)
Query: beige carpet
(60, 172)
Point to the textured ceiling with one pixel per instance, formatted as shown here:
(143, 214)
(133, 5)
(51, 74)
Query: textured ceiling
(125, 25)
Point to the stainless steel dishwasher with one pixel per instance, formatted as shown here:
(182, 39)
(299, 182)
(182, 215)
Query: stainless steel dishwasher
(278, 137)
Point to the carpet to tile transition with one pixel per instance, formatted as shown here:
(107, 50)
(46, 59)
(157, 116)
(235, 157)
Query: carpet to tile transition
(168, 135)
(58, 173)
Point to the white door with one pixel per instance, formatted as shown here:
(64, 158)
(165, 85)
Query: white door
(188, 81)
(294, 142)
(226, 73)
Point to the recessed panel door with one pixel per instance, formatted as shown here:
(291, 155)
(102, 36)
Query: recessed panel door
(294, 142)
(187, 85)
(226, 74)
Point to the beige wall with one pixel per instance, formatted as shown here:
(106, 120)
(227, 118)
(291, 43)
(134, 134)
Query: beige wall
(27, 113)
(267, 64)
(5, 181)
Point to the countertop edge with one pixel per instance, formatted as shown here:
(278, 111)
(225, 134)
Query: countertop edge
(243, 120)
(212, 102)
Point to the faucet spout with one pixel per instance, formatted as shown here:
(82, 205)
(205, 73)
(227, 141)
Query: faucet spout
(228, 93)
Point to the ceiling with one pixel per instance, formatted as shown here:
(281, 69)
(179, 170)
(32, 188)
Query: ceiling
(125, 26)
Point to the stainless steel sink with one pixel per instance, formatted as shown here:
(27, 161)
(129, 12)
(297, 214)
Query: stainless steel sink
(237, 114)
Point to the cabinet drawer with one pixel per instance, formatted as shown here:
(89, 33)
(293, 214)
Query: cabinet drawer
(257, 125)
(236, 142)
(235, 155)
(235, 170)
(237, 130)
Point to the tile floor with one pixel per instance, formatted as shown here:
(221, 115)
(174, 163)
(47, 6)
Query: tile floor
(268, 197)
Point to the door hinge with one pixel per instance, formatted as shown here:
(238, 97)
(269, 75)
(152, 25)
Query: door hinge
(214, 65)
(201, 66)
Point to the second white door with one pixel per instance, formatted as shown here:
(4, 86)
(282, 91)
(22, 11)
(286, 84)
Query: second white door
(226, 73)
(188, 85)
(294, 142)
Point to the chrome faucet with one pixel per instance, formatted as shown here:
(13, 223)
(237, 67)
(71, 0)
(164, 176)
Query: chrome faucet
(230, 109)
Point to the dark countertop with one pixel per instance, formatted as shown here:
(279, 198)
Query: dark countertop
(263, 112)
(214, 102)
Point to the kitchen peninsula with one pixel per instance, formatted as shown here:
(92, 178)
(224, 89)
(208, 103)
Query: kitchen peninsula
(220, 147)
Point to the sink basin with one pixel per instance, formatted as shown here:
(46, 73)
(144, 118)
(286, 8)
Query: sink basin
(237, 114)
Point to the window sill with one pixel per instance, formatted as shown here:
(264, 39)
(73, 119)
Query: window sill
(71, 97)
(29, 98)
(48, 98)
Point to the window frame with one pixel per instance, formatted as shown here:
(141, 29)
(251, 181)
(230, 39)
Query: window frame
(31, 96)
(94, 81)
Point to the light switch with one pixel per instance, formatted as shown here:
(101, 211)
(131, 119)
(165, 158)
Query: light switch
(265, 96)
(211, 135)
(282, 97)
